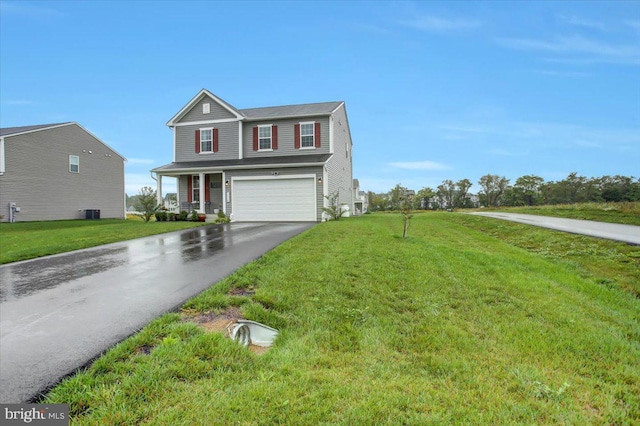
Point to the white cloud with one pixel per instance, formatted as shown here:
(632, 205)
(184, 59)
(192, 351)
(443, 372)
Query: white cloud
(29, 10)
(139, 161)
(564, 73)
(419, 165)
(633, 24)
(440, 25)
(18, 102)
(504, 153)
(378, 185)
(579, 49)
(581, 22)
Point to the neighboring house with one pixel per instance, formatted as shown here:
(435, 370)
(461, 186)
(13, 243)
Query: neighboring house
(360, 202)
(260, 164)
(58, 171)
(170, 201)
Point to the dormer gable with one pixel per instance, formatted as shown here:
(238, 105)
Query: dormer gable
(205, 107)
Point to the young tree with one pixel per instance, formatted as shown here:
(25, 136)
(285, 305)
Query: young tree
(147, 203)
(334, 210)
(406, 204)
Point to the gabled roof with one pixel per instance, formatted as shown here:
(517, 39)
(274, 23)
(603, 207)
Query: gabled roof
(201, 94)
(322, 108)
(12, 131)
(285, 111)
(15, 131)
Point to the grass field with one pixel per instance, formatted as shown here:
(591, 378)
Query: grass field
(28, 240)
(627, 213)
(468, 321)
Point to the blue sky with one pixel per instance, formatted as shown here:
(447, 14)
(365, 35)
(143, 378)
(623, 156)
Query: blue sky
(434, 90)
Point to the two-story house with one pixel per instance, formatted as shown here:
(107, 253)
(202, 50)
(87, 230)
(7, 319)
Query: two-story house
(58, 171)
(260, 164)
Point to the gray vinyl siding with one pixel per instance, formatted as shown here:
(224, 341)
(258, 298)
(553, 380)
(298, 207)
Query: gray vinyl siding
(38, 180)
(317, 170)
(218, 112)
(339, 166)
(285, 137)
(227, 142)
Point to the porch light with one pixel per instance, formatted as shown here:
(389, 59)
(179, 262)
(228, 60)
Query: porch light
(320, 179)
(226, 182)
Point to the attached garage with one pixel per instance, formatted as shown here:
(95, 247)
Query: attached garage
(274, 199)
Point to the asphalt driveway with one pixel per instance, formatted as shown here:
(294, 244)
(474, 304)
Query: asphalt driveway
(610, 231)
(59, 312)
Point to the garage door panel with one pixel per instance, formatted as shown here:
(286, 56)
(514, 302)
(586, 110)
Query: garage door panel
(280, 199)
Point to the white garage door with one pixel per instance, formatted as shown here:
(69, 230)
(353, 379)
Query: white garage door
(281, 199)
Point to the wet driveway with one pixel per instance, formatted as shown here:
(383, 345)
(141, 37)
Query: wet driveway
(59, 312)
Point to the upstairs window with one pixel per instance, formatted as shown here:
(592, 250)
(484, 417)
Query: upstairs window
(306, 135)
(74, 164)
(206, 140)
(264, 137)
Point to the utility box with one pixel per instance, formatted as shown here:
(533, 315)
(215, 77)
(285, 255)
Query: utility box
(92, 214)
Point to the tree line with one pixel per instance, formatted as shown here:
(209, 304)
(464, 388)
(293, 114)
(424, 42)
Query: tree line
(529, 190)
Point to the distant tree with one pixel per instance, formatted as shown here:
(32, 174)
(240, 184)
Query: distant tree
(376, 201)
(147, 199)
(493, 187)
(396, 196)
(461, 199)
(446, 192)
(423, 198)
(528, 189)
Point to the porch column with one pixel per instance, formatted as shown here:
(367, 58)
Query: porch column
(159, 190)
(201, 208)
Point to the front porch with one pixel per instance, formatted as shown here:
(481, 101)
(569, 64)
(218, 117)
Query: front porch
(202, 192)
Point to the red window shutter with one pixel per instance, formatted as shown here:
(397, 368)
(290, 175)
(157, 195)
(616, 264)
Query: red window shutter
(296, 136)
(255, 138)
(215, 140)
(189, 188)
(207, 189)
(317, 135)
(197, 141)
(274, 137)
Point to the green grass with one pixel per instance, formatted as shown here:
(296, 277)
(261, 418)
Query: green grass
(626, 213)
(452, 325)
(28, 240)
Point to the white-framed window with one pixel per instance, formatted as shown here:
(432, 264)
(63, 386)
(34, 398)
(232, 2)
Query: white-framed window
(74, 164)
(195, 188)
(306, 135)
(264, 137)
(206, 108)
(2, 162)
(206, 140)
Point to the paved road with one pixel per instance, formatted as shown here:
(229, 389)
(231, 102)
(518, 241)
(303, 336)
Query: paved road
(611, 231)
(59, 312)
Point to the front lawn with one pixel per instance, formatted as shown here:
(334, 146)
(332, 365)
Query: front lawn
(28, 240)
(452, 325)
